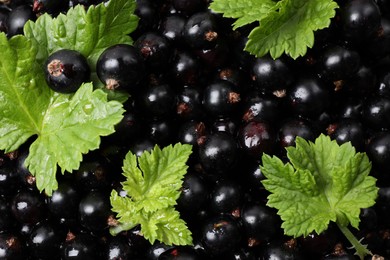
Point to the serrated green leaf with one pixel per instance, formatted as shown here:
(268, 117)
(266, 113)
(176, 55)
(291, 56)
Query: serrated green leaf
(171, 228)
(290, 28)
(88, 31)
(153, 182)
(162, 172)
(66, 126)
(295, 192)
(21, 98)
(323, 182)
(246, 11)
(70, 128)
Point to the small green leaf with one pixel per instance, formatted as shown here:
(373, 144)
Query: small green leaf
(22, 99)
(156, 183)
(290, 29)
(285, 26)
(323, 182)
(171, 228)
(70, 128)
(66, 125)
(88, 31)
(153, 182)
(246, 11)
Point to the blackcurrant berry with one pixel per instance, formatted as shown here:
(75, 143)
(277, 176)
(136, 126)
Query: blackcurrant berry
(200, 30)
(17, 18)
(65, 71)
(120, 66)
(221, 235)
(360, 19)
(270, 75)
(218, 152)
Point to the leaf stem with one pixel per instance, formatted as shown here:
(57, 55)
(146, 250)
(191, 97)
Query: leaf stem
(361, 250)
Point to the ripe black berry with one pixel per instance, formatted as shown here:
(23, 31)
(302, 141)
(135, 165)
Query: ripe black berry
(17, 18)
(221, 235)
(120, 66)
(270, 75)
(360, 19)
(218, 152)
(65, 71)
(200, 30)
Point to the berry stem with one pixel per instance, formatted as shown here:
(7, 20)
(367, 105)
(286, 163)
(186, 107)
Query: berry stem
(361, 250)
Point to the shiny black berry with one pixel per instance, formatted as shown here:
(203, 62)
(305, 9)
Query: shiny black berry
(65, 71)
(221, 235)
(120, 66)
(17, 18)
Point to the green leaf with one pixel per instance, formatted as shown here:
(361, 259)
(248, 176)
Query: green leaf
(323, 182)
(88, 31)
(171, 228)
(22, 99)
(285, 26)
(66, 125)
(153, 183)
(70, 128)
(246, 11)
(291, 28)
(156, 183)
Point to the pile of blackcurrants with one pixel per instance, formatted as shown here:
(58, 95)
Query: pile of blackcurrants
(190, 81)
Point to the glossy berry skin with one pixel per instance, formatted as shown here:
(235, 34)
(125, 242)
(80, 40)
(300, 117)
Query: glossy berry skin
(218, 152)
(65, 71)
(9, 180)
(172, 27)
(376, 112)
(378, 150)
(189, 7)
(80, 247)
(91, 175)
(226, 197)
(45, 240)
(120, 66)
(281, 251)
(6, 219)
(360, 19)
(49, 6)
(270, 75)
(291, 129)
(157, 101)
(221, 235)
(194, 193)
(185, 68)
(155, 49)
(338, 63)
(200, 30)
(162, 131)
(261, 107)
(189, 104)
(256, 138)
(64, 202)
(94, 210)
(260, 223)
(308, 97)
(221, 99)
(180, 253)
(28, 207)
(118, 247)
(191, 131)
(348, 131)
(154, 251)
(17, 18)
(12, 247)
